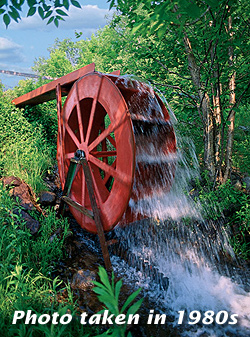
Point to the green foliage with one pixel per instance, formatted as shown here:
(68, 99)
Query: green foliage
(235, 204)
(241, 240)
(203, 44)
(25, 265)
(241, 158)
(220, 199)
(12, 9)
(108, 293)
(24, 151)
(56, 66)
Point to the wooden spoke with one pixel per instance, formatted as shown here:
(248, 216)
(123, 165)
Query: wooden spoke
(83, 191)
(104, 154)
(104, 149)
(96, 189)
(112, 141)
(95, 119)
(92, 113)
(107, 176)
(112, 127)
(69, 155)
(91, 118)
(73, 136)
(122, 177)
(79, 116)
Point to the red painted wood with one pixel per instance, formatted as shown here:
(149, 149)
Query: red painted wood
(96, 106)
(47, 91)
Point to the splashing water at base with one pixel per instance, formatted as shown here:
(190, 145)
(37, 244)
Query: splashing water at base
(191, 254)
(192, 260)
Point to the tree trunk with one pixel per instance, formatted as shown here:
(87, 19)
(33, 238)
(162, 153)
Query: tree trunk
(231, 117)
(208, 130)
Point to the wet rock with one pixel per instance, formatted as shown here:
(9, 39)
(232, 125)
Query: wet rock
(11, 181)
(83, 279)
(30, 223)
(47, 198)
(22, 193)
(246, 180)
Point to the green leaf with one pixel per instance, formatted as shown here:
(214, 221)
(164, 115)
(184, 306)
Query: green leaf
(14, 16)
(57, 4)
(2, 11)
(32, 3)
(136, 27)
(31, 11)
(16, 4)
(60, 18)
(130, 300)
(193, 10)
(118, 289)
(75, 3)
(161, 31)
(6, 19)
(212, 3)
(15, 12)
(112, 2)
(104, 278)
(100, 291)
(3, 3)
(48, 14)
(134, 308)
(46, 8)
(56, 22)
(60, 12)
(41, 12)
(66, 4)
(50, 20)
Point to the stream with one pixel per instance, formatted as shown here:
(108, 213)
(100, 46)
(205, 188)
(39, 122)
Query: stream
(183, 263)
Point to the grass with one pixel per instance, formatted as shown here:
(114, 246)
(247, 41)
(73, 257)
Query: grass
(27, 150)
(24, 150)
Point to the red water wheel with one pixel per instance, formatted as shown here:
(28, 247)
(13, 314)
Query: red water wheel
(95, 119)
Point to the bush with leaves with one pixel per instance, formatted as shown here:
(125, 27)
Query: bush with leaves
(24, 146)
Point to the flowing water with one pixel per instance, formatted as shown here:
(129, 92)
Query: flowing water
(186, 250)
(182, 262)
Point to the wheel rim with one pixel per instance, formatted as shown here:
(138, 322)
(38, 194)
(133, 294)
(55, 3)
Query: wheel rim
(95, 120)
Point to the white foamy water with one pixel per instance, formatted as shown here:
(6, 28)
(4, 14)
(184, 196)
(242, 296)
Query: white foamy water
(191, 253)
(175, 204)
(185, 257)
(177, 242)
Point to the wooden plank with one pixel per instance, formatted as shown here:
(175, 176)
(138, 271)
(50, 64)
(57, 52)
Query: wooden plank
(47, 92)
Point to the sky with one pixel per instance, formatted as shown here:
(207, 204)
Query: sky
(24, 42)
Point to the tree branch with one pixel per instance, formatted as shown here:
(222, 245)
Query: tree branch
(177, 87)
(236, 104)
